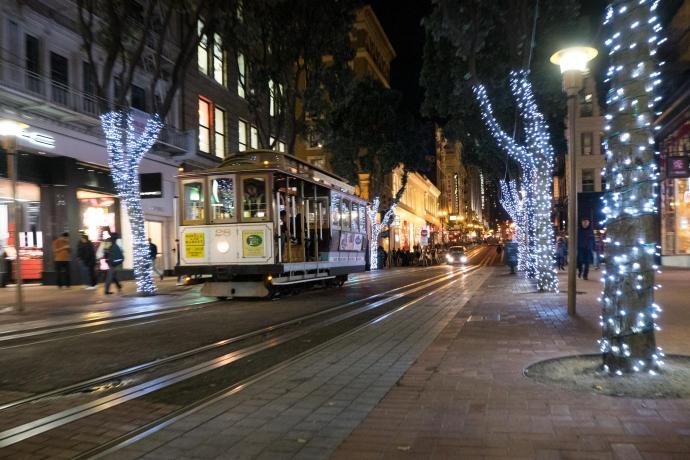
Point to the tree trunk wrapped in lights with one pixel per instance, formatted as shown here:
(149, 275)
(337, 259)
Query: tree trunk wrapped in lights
(387, 219)
(628, 308)
(513, 202)
(535, 158)
(125, 149)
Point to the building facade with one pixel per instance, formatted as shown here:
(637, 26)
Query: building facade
(674, 146)
(417, 212)
(589, 127)
(64, 181)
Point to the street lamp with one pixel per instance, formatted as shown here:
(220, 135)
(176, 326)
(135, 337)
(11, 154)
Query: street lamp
(9, 130)
(573, 63)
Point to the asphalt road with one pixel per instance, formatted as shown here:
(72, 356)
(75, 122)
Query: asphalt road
(58, 360)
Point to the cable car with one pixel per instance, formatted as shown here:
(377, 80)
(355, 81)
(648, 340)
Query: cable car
(264, 221)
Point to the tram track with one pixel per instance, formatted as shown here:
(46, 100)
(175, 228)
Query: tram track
(32, 428)
(105, 324)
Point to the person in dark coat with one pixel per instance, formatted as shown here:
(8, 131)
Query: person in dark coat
(87, 256)
(585, 246)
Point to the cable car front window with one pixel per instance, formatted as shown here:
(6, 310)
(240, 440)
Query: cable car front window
(254, 202)
(223, 199)
(193, 199)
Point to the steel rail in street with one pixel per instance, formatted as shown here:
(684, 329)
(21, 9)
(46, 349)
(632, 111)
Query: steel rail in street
(124, 440)
(85, 384)
(47, 423)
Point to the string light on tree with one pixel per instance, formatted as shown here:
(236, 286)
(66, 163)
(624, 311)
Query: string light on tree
(535, 158)
(372, 212)
(512, 201)
(629, 312)
(126, 148)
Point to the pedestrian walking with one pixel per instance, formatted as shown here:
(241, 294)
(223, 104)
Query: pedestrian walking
(87, 256)
(585, 247)
(561, 249)
(153, 254)
(3, 267)
(115, 258)
(61, 255)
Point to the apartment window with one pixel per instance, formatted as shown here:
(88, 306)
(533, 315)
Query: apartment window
(32, 63)
(242, 135)
(253, 138)
(586, 107)
(32, 54)
(241, 75)
(219, 129)
(204, 126)
(58, 69)
(603, 183)
(89, 88)
(138, 97)
(587, 180)
(202, 49)
(274, 94)
(282, 147)
(59, 78)
(218, 61)
(586, 143)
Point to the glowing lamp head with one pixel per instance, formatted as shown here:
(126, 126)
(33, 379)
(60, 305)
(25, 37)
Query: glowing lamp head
(574, 58)
(11, 128)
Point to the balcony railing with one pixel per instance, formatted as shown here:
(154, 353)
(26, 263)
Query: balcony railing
(39, 86)
(55, 94)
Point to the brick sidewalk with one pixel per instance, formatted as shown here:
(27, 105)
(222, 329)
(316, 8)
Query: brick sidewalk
(465, 397)
(307, 409)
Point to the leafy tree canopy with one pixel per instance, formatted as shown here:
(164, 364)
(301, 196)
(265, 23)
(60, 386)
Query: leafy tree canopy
(367, 130)
(299, 51)
(471, 41)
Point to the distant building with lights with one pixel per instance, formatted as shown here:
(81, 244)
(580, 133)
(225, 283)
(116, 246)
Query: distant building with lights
(674, 144)
(589, 127)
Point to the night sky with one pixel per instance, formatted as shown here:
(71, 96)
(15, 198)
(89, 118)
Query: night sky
(401, 19)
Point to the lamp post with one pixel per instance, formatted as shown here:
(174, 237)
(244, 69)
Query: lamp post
(9, 130)
(573, 63)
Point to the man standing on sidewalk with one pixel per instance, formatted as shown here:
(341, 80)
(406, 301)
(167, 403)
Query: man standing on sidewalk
(585, 247)
(115, 257)
(87, 255)
(61, 255)
(153, 253)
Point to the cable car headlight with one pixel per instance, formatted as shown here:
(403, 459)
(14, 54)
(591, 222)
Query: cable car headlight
(449, 258)
(223, 246)
(463, 259)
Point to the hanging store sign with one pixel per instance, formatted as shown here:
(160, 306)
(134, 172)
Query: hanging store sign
(42, 140)
(677, 167)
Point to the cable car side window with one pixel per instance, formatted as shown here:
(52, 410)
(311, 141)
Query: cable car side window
(254, 203)
(345, 215)
(193, 200)
(354, 221)
(222, 199)
(335, 210)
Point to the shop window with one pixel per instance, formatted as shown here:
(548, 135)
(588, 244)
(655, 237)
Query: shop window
(242, 135)
(254, 206)
(345, 215)
(586, 143)
(222, 199)
(193, 201)
(587, 180)
(219, 128)
(204, 126)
